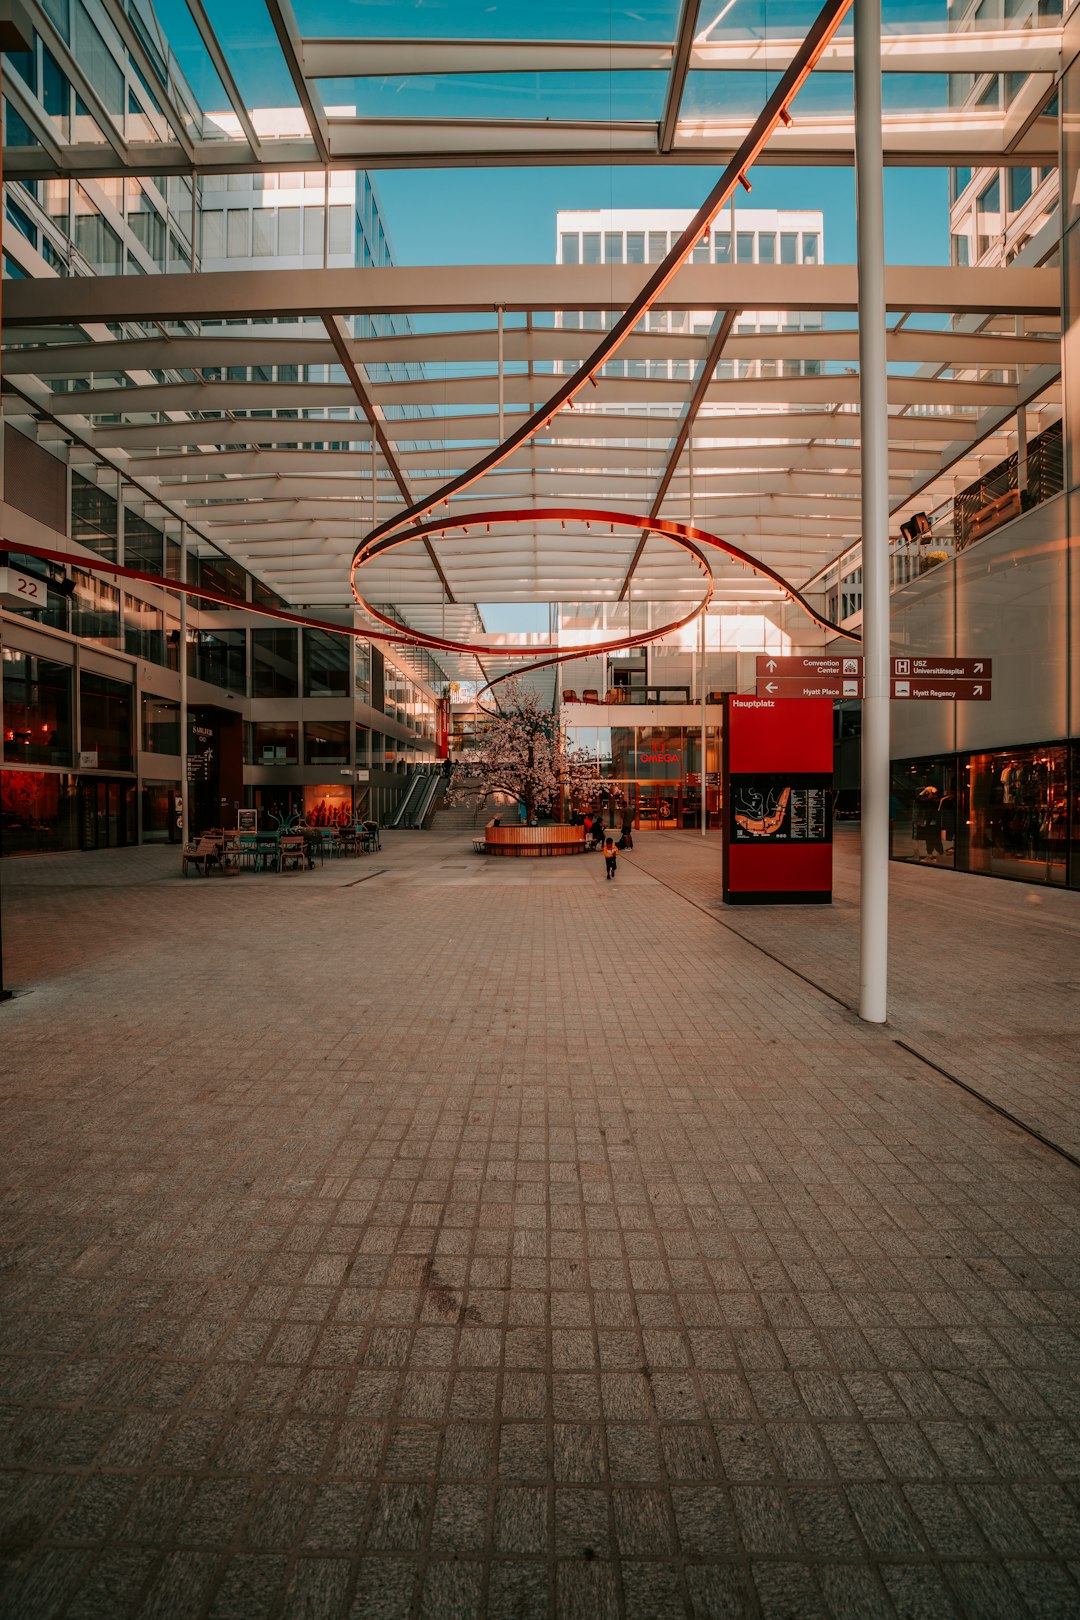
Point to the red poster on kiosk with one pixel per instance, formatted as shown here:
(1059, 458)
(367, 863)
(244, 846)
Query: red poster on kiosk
(777, 815)
(442, 728)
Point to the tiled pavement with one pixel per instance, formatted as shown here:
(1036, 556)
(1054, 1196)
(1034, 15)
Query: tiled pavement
(487, 1239)
(984, 975)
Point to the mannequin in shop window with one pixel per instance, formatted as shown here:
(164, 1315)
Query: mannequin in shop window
(929, 820)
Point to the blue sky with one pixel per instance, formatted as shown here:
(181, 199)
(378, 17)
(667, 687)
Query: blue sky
(507, 216)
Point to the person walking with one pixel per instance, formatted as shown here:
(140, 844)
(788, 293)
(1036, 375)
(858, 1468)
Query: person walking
(627, 839)
(611, 857)
(587, 824)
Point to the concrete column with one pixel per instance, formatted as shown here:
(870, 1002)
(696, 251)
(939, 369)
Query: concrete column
(874, 450)
(185, 831)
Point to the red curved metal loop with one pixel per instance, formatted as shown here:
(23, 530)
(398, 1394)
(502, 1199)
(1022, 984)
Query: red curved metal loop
(383, 534)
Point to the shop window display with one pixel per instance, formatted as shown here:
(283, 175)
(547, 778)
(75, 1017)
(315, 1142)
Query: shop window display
(923, 811)
(37, 812)
(328, 805)
(37, 710)
(1018, 814)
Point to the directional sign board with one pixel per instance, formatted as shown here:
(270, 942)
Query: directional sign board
(954, 680)
(951, 691)
(826, 668)
(810, 686)
(943, 669)
(951, 669)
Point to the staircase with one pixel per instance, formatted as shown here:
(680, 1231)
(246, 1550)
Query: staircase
(472, 813)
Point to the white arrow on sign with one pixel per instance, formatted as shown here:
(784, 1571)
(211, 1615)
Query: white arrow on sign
(771, 666)
(770, 686)
(978, 691)
(978, 669)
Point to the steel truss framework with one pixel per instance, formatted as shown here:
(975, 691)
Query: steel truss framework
(286, 476)
(690, 72)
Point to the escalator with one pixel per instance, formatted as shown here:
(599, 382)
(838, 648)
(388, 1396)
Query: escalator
(408, 799)
(434, 781)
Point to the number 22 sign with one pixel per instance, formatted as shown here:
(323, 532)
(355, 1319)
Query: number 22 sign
(21, 590)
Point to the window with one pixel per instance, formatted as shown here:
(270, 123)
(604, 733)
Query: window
(21, 221)
(95, 610)
(274, 664)
(613, 247)
(988, 214)
(94, 238)
(362, 668)
(143, 544)
(37, 710)
(263, 235)
(341, 221)
(1020, 188)
(147, 225)
(959, 180)
(106, 707)
(145, 635)
(239, 233)
(811, 247)
(744, 247)
(160, 726)
(313, 232)
(657, 246)
(699, 254)
(590, 244)
(220, 573)
(635, 247)
(273, 742)
(213, 234)
(326, 664)
(766, 247)
(722, 247)
(289, 232)
(789, 247)
(571, 248)
(220, 657)
(102, 69)
(326, 742)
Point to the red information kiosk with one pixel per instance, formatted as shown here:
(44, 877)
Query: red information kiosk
(777, 815)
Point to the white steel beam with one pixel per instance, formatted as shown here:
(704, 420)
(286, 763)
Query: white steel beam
(989, 349)
(985, 51)
(257, 294)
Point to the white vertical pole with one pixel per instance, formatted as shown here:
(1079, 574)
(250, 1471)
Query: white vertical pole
(501, 385)
(185, 807)
(326, 219)
(874, 454)
(1021, 448)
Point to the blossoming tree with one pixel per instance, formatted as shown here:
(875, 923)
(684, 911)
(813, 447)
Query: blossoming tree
(522, 751)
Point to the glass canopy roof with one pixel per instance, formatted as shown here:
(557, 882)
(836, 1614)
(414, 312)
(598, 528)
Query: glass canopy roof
(734, 404)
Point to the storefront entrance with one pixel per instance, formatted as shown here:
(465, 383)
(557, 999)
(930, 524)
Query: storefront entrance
(673, 805)
(106, 813)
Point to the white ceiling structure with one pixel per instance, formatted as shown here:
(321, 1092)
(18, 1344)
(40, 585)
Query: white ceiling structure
(771, 463)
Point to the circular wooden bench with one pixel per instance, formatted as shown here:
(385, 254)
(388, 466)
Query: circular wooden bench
(517, 840)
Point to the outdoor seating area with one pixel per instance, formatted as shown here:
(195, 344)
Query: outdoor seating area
(295, 848)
